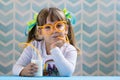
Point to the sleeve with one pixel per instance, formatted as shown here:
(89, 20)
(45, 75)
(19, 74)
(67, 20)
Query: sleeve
(24, 60)
(65, 64)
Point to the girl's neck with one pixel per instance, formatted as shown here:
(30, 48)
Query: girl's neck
(47, 48)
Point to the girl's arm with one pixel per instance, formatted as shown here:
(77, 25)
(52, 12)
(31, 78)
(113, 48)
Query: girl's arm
(24, 60)
(65, 64)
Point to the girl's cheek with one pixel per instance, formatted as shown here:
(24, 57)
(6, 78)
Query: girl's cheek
(47, 38)
(40, 31)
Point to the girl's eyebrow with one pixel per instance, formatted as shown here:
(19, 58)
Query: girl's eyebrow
(49, 24)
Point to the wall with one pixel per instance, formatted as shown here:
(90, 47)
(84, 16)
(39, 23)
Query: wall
(97, 32)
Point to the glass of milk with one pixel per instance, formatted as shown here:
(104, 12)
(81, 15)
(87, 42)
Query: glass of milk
(39, 63)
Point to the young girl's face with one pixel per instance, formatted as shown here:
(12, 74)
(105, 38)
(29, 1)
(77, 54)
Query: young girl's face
(53, 31)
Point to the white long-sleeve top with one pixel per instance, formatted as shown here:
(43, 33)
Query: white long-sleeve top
(61, 59)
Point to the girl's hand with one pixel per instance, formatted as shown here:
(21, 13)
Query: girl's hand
(29, 70)
(58, 43)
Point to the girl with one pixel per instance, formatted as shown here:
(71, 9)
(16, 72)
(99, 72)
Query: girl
(57, 46)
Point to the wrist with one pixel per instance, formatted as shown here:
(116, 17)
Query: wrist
(52, 46)
(22, 72)
(55, 49)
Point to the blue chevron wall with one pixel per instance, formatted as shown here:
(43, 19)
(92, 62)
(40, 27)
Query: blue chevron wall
(97, 33)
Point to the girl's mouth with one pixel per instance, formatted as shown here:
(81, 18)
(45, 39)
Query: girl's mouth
(55, 36)
(58, 37)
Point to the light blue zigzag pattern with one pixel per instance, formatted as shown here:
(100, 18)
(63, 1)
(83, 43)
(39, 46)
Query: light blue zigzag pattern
(6, 39)
(118, 56)
(118, 67)
(108, 49)
(77, 28)
(106, 19)
(108, 39)
(107, 70)
(7, 69)
(91, 69)
(88, 39)
(23, 1)
(73, 9)
(7, 28)
(93, 51)
(118, 17)
(23, 8)
(107, 29)
(6, 8)
(90, 60)
(90, 9)
(90, 29)
(37, 8)
(6, 49)
(118, 37)
(88, 49)
(90, 1)
(90, 19)
(106, 1)
(107, 60)
(6, 59)
(118, 47)
(6, 18)
(22, 19)
(107, 9)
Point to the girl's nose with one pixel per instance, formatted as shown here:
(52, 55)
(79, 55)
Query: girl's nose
(54, 31)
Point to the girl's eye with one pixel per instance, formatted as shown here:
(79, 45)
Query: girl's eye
(60, 26)
(47, 27)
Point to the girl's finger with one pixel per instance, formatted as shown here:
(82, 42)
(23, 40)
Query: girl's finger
(30, 74)
(32, 64)
(61, 38)
(35, 70)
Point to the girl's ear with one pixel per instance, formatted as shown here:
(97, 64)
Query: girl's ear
(39, 31)
(39, 34)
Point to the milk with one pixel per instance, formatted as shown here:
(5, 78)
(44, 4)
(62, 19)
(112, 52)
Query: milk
(40, 67)
(39, 62)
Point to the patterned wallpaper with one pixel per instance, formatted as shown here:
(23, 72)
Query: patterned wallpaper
(97, 32)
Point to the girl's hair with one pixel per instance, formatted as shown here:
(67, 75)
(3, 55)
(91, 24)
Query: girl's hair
(71, 36)
(53, 14)
(31, 34)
